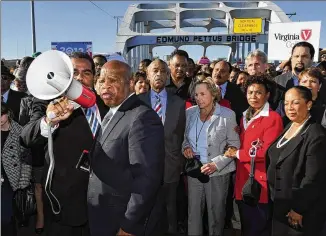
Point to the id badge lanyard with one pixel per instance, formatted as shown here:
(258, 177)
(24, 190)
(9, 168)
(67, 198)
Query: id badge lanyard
(198, 134)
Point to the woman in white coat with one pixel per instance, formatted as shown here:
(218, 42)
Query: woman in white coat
(210, 131)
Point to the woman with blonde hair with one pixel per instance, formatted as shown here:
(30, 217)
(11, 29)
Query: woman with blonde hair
(210, 129)
(192, 101)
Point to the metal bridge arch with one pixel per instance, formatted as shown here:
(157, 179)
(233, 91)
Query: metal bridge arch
(136, 41)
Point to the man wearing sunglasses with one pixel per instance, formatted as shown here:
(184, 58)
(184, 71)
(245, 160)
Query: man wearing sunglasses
(10, 97)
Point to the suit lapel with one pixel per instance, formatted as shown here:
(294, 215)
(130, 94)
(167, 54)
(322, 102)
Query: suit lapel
(11, 98)
(118, 115)
(169, 110)
(7, 142)
(227, 92)
(293, 143)
(11, 137)
(148, 99)
(290, 83)
(113, 122)
(254, 124)
(290, 148)
(216, 114)
(103, 109)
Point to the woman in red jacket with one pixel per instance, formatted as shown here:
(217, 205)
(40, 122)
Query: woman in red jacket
(259, 125)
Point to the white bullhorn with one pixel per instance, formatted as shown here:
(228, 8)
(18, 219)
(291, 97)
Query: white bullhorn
(51, 75)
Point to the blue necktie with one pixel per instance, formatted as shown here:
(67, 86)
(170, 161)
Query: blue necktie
(91, 116)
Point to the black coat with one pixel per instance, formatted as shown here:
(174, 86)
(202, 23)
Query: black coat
(237, 100)
(71, 138)
(37, 151)
(174, 129)
(127, 164)
(297, 180)
(276, 96)
(285, 80)
(183, 91)
(13, 102)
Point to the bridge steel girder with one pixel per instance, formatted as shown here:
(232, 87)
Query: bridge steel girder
(140, 19)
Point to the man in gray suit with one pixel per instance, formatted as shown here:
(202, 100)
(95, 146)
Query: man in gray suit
(127, 159)
(301, 58)
(171, 110)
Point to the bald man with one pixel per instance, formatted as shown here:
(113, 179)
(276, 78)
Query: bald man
(127, 160)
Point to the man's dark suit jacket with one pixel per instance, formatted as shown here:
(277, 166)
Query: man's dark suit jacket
(237, 100)
(69, 184)
(297, 179)
(285, 80)
(127, 163)
(13, 102)
(174, 128)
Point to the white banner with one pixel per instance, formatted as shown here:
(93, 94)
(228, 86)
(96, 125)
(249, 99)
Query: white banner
(283, 36)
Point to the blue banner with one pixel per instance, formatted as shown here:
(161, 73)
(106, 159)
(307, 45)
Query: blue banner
(69, 47)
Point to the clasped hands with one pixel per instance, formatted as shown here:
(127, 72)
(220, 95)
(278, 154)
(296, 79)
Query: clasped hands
(231, 152)
(123, 233)
(210, 168)
(294, 219)
(206, 169)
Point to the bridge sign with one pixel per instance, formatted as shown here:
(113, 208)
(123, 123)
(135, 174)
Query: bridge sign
(247, 25)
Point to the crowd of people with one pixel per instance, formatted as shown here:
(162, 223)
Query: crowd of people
(178, 144)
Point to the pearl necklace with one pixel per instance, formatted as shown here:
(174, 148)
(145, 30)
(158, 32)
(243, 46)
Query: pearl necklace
(280, 144)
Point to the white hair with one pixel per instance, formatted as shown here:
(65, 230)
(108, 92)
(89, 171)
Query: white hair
(257, 53)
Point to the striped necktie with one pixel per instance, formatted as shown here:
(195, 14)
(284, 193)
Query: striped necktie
(91, 116)
(221, 91)
(158, 107)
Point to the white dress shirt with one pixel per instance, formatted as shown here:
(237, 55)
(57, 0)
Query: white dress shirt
(263, 112)
(112, 112)
(163, 96)
(198, 132)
